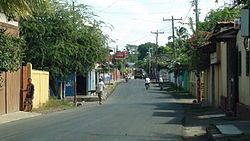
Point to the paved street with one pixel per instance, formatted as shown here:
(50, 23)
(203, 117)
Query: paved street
(130, 114)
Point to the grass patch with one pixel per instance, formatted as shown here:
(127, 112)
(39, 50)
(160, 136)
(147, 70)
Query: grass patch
(179, 93)
(54, 105)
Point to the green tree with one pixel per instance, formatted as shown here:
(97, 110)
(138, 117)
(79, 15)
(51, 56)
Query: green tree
(143, 49)
(239, 2)
(11, 53)
(64, 41)
(199, 59)
(22, 8)
(133, 55)
(218, 15)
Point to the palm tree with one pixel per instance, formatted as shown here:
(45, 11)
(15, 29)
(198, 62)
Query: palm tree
(21, 8)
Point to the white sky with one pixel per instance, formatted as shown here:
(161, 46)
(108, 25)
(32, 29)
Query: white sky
(133, 20)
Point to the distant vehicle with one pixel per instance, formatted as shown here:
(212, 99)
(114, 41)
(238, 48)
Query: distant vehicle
(139, 73)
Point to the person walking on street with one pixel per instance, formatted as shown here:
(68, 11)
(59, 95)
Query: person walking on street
(99, 90)
(161, 82)
(28, 102)
(147, 82)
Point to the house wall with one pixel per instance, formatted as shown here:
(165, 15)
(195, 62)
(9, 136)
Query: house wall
(192, 83)
(91, 81)
(10, 26)
(217, 85)
(184, 80)
(221, 96)
(224, 68)
(41, 81)
(207, 88)
(4, 19)
(243, 106)
(215, 77)
(244, 80)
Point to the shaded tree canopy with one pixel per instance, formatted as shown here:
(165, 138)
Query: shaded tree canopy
(64, 41)
(22, 8)
(143, 49)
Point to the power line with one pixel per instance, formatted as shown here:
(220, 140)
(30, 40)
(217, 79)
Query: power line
(145, 36)
(188, 13)
(112, 4)
(147, 4)
(172, 19)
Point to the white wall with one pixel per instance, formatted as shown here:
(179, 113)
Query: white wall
(244, 80)
(4, 19)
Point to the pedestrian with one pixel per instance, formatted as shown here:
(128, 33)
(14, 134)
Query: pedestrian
(28, 102)
(161, 82)
(147, 82)
(99, 90)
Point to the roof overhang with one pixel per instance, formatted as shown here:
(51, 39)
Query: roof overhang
(225, 35)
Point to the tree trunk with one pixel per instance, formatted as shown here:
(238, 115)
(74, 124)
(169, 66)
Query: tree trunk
(63, 90)
(53, 86)
(60, 91)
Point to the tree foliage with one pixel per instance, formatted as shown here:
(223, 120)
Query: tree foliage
(218, 15)
(133, 55)
(200, 60)
(143, 50)
(22, 8)
(11, 53)
(64, 41)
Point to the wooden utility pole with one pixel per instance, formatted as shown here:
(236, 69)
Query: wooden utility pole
(156, 53)
(172, 19)
(196, 14)
(75, 79)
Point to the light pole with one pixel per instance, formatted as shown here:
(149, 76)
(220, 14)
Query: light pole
(73, 9)
(156, 53)
(149, 66)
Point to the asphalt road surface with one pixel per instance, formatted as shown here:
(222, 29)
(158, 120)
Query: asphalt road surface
(131, 113)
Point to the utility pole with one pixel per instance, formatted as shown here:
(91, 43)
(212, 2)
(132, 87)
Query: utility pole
(156, 53)
(198, 81)
(75, 91)
(196, 14)
(172, 19)
(149, 56)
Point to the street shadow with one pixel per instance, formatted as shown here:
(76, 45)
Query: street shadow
(172, 112)
(198, 115)
(162, 137)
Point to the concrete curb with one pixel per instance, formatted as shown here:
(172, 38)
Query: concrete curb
(6, 118)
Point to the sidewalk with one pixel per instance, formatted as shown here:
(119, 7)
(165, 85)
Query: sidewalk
(5, 118)
(206, 123)
(17, 116)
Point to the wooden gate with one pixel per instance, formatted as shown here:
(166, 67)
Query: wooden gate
(2, 95)
(13, 91)
(10, 92)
